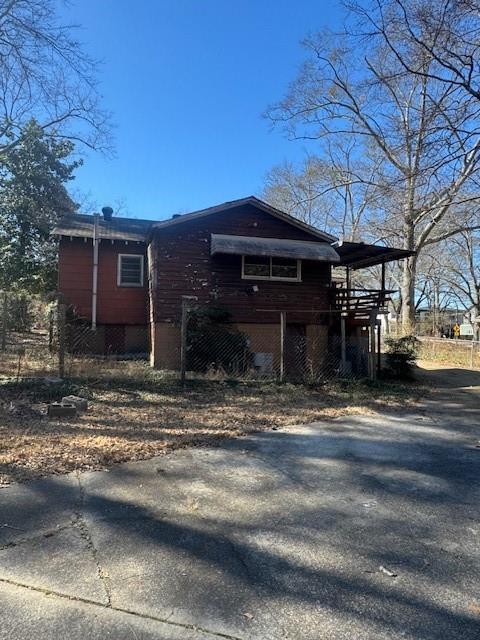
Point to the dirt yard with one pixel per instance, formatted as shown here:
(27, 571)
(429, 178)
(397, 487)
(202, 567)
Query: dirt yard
(136, 413)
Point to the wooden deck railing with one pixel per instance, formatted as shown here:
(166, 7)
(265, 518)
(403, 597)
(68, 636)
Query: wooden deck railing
(361, 301)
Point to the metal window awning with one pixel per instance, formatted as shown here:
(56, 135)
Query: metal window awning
(275, 247)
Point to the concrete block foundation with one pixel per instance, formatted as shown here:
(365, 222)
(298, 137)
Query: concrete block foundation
(165, 349)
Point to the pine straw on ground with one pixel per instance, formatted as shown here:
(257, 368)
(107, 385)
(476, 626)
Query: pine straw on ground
(136, 417)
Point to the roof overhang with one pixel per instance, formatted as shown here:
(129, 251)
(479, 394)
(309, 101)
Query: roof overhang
(275, 247)
(82, 226)
(358, 255)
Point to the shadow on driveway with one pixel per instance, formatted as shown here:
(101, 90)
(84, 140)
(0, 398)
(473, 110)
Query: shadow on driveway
(274, 535)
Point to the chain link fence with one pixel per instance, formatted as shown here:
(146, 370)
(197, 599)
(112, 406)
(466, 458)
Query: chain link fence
(228, 353)
(58, 345)
(26, 337)
(445, 350)
(285, 350)
(53, 344)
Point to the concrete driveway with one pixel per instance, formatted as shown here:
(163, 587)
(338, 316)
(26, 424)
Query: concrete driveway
(277, 535)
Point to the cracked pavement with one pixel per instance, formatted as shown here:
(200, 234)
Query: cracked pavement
(275, 535)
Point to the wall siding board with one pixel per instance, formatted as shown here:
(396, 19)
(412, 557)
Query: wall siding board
(115, 305)
(185, 267)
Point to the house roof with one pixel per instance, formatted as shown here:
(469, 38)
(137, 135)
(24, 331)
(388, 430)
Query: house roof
(81, 226)
(352, 254)
(277, 247)
(256, 202)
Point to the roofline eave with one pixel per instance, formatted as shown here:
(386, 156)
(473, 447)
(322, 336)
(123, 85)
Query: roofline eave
(187, 217)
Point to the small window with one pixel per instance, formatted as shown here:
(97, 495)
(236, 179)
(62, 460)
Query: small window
(130, 270)
(266, 268)
(256, 266)
(285, 268)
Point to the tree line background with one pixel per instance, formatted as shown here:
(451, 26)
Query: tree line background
(388, 109)
(50, 109)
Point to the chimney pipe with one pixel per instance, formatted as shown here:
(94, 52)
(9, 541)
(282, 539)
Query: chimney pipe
(107, 213)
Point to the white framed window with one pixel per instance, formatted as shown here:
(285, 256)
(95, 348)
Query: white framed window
(270, 268)
(130, 270)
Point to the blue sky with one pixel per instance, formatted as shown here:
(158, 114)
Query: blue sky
(187, 82)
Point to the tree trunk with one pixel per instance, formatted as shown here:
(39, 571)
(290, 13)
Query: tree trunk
(408, 295)
(409, 270)
(476, 322)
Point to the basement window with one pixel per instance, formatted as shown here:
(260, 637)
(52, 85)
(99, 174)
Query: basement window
(130, 270)
(270, 268)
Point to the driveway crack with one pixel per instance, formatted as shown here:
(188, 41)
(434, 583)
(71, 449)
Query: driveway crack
(110, 607)
(81, 524)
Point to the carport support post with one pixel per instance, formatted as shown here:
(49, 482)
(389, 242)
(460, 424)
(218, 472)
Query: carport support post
(283, 322)
(372, 364)
(379, 346)
(343, 329)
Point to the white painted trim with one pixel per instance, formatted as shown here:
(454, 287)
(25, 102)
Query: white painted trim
(119, 269)
(273, 278)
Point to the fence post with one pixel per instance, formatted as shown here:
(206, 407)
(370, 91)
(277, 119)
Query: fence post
(471, 354)
(4, 321)
(51, 324)
(61, 338)
(186, 300)
(283, 320)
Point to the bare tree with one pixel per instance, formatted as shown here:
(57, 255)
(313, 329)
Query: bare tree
(298, 190)
(45, 75)
(423, 142)
(434, 292)
(334, 193)
(445, 31)
(461, 272)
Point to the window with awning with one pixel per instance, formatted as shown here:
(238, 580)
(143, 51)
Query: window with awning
(271, 268)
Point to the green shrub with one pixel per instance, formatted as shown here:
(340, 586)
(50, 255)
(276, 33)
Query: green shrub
(401, 355)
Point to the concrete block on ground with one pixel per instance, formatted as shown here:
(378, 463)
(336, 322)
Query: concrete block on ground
(52, 380)
(60, 410)
(80, 403)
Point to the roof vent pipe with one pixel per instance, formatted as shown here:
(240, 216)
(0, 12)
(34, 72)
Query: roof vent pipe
(107, 213)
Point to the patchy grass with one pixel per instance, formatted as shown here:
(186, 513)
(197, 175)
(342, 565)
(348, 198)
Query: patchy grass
(136, 413)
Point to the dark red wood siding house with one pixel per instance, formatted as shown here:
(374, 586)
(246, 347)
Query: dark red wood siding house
(243, 256)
